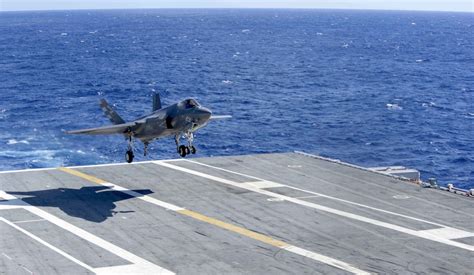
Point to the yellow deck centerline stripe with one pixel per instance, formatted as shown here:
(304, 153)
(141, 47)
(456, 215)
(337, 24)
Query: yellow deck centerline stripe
(227, 226)
(233, 228)
(82, 175)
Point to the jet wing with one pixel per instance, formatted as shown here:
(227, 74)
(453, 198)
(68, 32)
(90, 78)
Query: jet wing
(108, 130)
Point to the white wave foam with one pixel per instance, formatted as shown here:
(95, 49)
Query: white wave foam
(14, 141)
(227, 82)
(44, 154)
(64, 34)
(3, 113)
(429, 104)
(245, 30)
(37, 158)
(394, 106)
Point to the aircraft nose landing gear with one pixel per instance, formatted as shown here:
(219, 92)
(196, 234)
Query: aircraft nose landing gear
(183, 151)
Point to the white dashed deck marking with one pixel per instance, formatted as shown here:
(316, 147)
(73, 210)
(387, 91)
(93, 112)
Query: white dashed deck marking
(449, 233)
(262, 184)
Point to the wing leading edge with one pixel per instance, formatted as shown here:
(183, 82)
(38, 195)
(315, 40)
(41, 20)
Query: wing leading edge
(107, 130)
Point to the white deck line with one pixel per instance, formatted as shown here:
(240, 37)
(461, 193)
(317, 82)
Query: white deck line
(321, 258)
(9, 202)
(449, 233)
(261, 184)
(120, 270)
(27, 170)
(85, 166)
(143, 265)
(308, 197)
(27, 270)
(28, 221)
(142, 197)
(109, 164)
(398, 228)
(350, 165)
(7, 207)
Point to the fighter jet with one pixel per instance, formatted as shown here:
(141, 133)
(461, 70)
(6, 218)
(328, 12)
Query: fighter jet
(180, 120)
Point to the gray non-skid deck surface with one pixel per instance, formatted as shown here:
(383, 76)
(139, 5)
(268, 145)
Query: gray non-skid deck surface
(185, 245)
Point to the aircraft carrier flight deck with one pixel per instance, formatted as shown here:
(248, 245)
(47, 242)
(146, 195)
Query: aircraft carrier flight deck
(255, 214)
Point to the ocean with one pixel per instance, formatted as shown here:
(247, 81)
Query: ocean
(373, 88)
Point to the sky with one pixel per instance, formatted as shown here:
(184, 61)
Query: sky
(429, 5)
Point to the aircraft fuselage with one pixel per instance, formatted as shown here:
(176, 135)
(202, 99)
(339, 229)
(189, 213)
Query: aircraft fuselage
(172, 120)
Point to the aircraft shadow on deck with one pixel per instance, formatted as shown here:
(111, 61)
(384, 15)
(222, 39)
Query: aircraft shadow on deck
(92, 203)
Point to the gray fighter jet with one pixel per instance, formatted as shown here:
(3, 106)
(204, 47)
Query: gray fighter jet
(180, 120)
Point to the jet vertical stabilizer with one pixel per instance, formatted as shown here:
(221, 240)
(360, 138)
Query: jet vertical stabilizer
(156, 102)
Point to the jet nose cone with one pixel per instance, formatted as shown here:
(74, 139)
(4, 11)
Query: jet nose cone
(205, 113)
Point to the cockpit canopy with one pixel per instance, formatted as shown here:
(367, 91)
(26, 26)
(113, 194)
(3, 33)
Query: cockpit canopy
(190, 103)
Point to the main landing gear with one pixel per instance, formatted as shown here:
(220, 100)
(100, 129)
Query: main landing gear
(185, 150)
(145, 148)
(129, 154)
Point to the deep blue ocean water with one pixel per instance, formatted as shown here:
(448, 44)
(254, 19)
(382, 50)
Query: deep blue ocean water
(372, 88)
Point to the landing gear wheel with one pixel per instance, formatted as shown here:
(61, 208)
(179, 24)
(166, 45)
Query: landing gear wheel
(193, 150)
(187, 151)
(182, 151)
(129, 156)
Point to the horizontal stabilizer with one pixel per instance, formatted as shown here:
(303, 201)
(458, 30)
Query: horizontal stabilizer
(108, 130)
(110, 113)
(220, 117)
